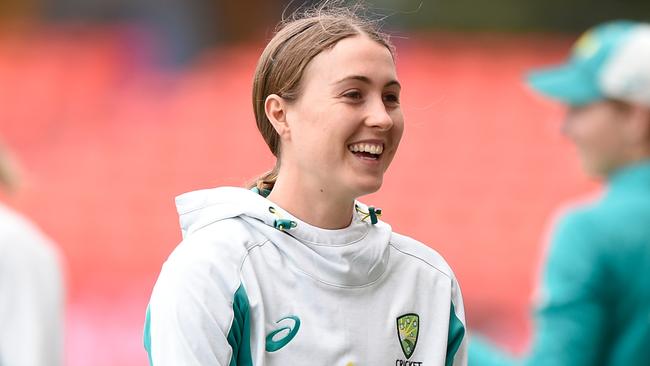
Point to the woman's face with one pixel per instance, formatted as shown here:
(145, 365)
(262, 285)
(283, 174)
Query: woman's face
(598, 131)
(347, 122)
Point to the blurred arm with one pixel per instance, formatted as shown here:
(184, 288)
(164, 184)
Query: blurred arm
(570, 317)
(31, 300)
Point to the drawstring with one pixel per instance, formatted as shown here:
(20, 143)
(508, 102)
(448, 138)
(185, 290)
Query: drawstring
(280, 223)
(373, 213)
(286, 224)
(264, 192)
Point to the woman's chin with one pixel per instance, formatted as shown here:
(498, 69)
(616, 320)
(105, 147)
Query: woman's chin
(367, 186)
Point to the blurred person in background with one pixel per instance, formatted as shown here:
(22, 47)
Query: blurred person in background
(31, 288)
(296, 271)
(593, 306)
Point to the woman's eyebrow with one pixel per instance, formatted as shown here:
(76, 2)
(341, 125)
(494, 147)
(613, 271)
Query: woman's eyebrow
(366, 80)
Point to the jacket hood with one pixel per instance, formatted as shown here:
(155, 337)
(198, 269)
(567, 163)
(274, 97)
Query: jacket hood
(203, 207)
(200, 208)
(352, 256)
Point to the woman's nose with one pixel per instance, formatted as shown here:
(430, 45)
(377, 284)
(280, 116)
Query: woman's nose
(379, 117)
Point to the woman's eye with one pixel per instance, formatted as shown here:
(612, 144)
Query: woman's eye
(354, 94)
(391, 98)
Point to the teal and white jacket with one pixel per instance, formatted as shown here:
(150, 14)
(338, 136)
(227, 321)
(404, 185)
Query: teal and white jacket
(593, 305)
(252, 285)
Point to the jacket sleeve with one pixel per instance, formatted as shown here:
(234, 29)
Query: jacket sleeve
(570, 317)
(31, 300)
(199, 312)
(482, 352)
(457, 337)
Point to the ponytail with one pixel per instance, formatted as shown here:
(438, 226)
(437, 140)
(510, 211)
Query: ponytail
(8, 172)
(266, 181)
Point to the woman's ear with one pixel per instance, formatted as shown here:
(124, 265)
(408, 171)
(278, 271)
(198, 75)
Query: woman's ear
(276, 111)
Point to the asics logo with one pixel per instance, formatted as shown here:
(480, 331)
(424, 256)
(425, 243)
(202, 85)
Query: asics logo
(274, 343)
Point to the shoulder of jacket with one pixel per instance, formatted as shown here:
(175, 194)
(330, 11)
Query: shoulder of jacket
(21, 238)
(230, 231)
(220, 246)
(419, 252)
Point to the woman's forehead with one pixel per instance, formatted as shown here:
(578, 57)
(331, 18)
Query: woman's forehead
(356, 58)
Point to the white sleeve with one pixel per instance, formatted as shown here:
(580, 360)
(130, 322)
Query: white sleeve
(31, 300)
(457, 340)
(198, 312)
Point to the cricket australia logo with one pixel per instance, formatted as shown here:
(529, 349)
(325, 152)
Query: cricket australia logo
(408, 326)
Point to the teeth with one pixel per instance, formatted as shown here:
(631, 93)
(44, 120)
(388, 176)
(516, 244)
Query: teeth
(369, 148)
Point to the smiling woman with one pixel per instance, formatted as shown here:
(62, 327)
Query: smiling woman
(295, 270)
(331, 135)
(322, 68)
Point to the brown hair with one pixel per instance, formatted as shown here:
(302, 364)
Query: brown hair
(8, 171)
(296, 42)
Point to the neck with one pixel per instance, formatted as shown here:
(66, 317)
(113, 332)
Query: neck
(634, 156)
(311, 203)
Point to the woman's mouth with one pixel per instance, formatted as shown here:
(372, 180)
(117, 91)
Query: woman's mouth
(367, 150)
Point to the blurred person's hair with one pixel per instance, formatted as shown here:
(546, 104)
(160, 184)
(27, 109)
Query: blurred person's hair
(297, 40)
(8, 170)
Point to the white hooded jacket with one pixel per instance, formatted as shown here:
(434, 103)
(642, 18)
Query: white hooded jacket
(252, 285)
(31, 294)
